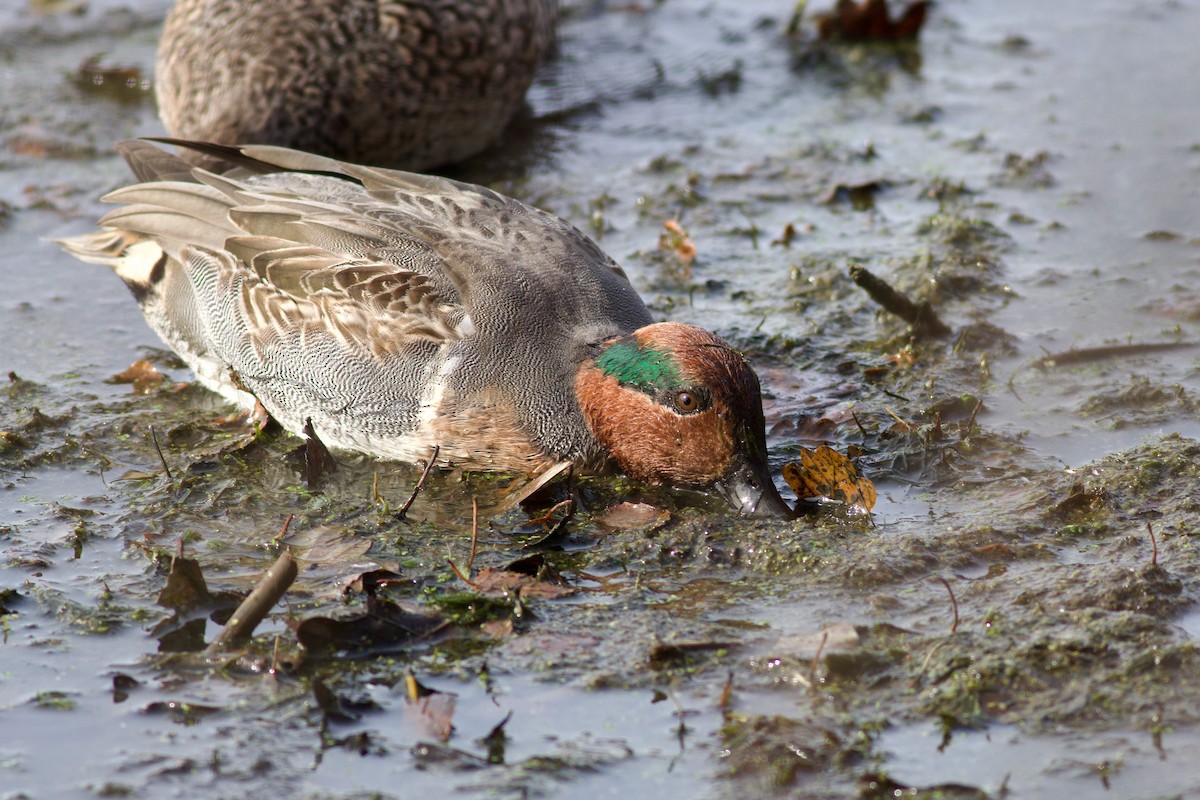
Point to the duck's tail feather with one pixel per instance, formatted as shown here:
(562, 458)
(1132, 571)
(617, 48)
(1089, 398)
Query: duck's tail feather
(137, 260)
(150, 163)
(256, 159)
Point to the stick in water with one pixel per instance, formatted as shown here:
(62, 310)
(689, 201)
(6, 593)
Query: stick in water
(266, 594)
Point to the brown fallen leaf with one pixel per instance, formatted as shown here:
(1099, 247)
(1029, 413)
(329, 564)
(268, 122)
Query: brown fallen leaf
(433, 711)
(498, 628)
(623, 516)
(144, 376)
(871, 21)
(185, 588)
(828, 474)
(370, 581)
(315, 456)
(493, 581)
(785, 239)
(384, 626)
(675, 240)
(329, 703)
(531, 576)
(327, 544)
(1080, 499)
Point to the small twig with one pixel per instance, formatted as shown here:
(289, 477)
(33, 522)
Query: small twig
(266, 594)
(861, 429)
(970, 423)
(1083, 355)
(816, 660)
(550, 513)
(925, 662)
(953, 603)
(725, 701)
(1153, 545)
(287, 523)
(907, 425)
(420, 483)
(464, 578)
(557, 531)
(920, 316)
(161, 458)
(474, 532)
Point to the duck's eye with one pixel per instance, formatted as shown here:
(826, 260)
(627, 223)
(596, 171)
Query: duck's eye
(687, 402)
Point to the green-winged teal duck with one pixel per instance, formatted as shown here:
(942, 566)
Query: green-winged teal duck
(403, 83)
(401, 311)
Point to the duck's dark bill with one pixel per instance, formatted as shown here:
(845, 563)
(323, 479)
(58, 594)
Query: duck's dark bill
(751, 491)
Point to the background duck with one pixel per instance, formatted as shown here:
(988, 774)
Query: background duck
(404, 83)
(398, 311)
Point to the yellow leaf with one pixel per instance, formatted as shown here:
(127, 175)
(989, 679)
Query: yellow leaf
(143, 375)
(674, 239)
(826, 473)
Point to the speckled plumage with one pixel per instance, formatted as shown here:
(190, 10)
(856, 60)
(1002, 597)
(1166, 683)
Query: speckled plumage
(403, 83)
(398, 311)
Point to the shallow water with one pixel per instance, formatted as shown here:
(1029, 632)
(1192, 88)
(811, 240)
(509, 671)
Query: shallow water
(707, 113)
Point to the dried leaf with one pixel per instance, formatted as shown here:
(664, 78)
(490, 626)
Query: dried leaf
(430, 709)
(384, 626)
(1080, 499)
(370, 581)
(327, 544)
(860, 196)
(870, 20)
(633, 515)
(527, 491)
(175, 636)
(144, 376)
(498, 628)
(828, 474)
(315, 456)
(674, 239)
(785, 239)
(492, 581)
(185, 588)
(122, 685)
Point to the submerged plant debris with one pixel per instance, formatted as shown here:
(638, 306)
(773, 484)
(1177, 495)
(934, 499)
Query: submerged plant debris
(1019, 618)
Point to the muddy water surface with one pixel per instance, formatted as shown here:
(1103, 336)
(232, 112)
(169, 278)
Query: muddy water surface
(1029, 169)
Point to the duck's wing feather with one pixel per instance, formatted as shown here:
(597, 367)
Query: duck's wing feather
(505, 261)
(307, 261)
